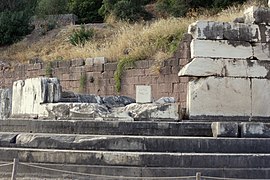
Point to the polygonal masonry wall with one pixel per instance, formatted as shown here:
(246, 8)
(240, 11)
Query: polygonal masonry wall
(231, 66)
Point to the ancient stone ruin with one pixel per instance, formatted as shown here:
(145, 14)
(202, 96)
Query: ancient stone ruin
(230, 68)
(42, 98)
(223, 133)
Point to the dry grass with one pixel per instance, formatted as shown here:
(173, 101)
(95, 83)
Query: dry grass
(141, 40)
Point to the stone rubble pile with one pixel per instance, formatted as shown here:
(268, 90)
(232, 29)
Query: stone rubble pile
(230, 66)
(43, 98)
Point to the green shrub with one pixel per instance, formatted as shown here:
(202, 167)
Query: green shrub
(83, 81)
(123, 63)
(51, 7)
(179, 8)
(86, 10)
(125, 9)
(81, 36)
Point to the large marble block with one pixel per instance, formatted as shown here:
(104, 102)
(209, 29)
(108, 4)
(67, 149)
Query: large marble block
(199, 67)
(219, 97)
(220, 49)
(29, 94)
(260, 98)
(210, 30)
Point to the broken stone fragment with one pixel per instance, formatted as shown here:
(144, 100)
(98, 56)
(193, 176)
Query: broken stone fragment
(224, 129)
(219, 98)
(75, 111)
(165, 100)
(117, 101)
(199, 67)
(5, 103)
(257, 15)
(152, 111)
(255, 130)
(221, 49)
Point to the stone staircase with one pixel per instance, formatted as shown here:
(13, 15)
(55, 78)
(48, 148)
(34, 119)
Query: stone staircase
(121, 150)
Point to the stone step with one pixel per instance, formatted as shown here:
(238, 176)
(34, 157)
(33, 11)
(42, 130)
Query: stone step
(137, 159)
(135, 143)
(119, 172)
(148, 128)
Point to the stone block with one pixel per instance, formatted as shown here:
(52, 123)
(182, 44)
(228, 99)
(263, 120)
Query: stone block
(260, 98)
(89, 61)
(262, 51)
(206, 30)
(5, 103)
(28, 95)
(100, 60)
(210, 30)
(225, 129)
(143, 94)
(199, 67)
(255, 15)
(242, 32)
(221, 49)
(219, 98)
(255, 130)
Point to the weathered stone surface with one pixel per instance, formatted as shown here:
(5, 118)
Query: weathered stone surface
(165, 100)
(219, 97)
(28, 95)
(255, 130)
(225, 129)
(143, 94)
(262, 51)
(75, 110)
(97, 127)
(199, 67)
(5, 103)
(117, 101)
(260, 97)
(210, 30)
(242, 32)
(257, 15)
(221, 49)
(206, 30)
(265, 33)
(153, 111)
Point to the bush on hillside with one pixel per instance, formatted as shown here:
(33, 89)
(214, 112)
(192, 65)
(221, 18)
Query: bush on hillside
(51, 7)
(81, 36)
(128, 10)
(86, 10)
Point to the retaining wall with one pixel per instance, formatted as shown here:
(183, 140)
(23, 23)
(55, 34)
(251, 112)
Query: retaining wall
(99, 75)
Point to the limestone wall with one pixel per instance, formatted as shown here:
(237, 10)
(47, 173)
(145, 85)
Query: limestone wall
(231, 66)
(99, 74)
